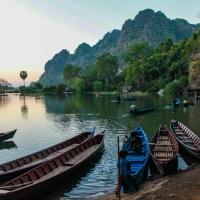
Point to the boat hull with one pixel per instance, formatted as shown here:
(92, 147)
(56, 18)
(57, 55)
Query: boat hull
(163, 150)
(193, 150)
(166, 168)
(38, 188)
(138, 162)
(8, 135)
(5, 176)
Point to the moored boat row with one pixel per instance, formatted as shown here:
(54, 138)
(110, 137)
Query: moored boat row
(28, 176)
(16, 167)
(163, 149)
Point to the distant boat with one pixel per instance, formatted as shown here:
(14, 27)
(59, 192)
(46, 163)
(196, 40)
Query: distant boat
(41, 178)
(138, 111)
(3, 95)
(187, 103)
(176, 102)
(163, 150)
(186, 138)
(126, 98)
(7, 135)
(138, 162)
(16, 167)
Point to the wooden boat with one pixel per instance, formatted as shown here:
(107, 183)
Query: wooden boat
(139, 111)
(3, 95)
(138, 162)
(163, 150)
(187, 103)
(186, 138)
(45, 176)
(16, 167)
(7, 135)
(129, 98)
(126, 98)
(144, 110)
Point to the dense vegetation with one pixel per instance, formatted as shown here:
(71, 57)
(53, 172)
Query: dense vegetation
(147, 69)
(4, 85)
(148, 26)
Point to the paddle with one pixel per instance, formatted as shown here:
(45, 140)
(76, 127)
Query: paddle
(119, 183)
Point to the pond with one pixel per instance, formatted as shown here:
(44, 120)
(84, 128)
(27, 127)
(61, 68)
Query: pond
(48, 119)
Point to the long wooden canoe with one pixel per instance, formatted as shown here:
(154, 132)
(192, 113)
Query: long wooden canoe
(139, 111)
(7, 135)
(138, 162)
(41, 178)
(144, 110)
(163, 150)
(16, 167)
(186, 138)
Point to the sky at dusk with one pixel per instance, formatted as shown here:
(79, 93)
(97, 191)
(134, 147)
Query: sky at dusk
(32, 31)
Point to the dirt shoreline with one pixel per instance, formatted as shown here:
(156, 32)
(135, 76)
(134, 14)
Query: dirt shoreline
(180, 186)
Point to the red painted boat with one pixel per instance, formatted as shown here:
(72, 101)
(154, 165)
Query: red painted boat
(186, 138)
(41, 178)
(163, 150)
(16, 167)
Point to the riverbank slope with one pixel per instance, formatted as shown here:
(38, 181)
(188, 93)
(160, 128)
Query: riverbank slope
(181, 186)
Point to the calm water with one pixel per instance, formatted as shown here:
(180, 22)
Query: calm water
(45, 120)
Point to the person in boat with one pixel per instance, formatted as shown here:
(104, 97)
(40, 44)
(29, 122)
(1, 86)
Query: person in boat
(132, 109)
(174, 102)
(133, 143)
(190, 102)
(127, 182)
(118, 99)
(136, 143)
(185, 102)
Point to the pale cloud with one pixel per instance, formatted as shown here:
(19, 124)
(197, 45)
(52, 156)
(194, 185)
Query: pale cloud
(28, 40)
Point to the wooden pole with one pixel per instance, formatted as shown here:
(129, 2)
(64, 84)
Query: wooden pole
(119, 183)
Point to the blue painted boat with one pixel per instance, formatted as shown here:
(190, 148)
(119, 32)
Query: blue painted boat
(138, 162)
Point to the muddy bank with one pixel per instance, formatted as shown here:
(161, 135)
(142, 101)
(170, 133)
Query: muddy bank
(181, 186)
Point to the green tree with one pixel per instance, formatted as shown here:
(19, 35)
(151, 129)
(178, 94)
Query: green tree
(78, 84)
(60, 88)
(89, 74)
(71, 72)
(136, 58)
(98, 86)
(107, 67)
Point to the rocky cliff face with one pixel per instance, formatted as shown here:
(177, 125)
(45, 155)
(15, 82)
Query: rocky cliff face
(148, 26)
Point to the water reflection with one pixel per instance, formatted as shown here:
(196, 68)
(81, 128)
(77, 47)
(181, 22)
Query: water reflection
(7, 145)
(24, 107)
(4, 101)
(46, 120)
(65, 187)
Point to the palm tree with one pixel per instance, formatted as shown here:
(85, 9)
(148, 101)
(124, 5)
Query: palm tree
(23, 75)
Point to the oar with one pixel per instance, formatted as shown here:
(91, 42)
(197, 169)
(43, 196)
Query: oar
(119, 183)
(182, 165)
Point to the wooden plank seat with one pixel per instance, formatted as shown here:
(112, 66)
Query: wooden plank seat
(135, 158)
(163, 142)
(163, 154)
(163, 150)
(40, 161)
(78, 158)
